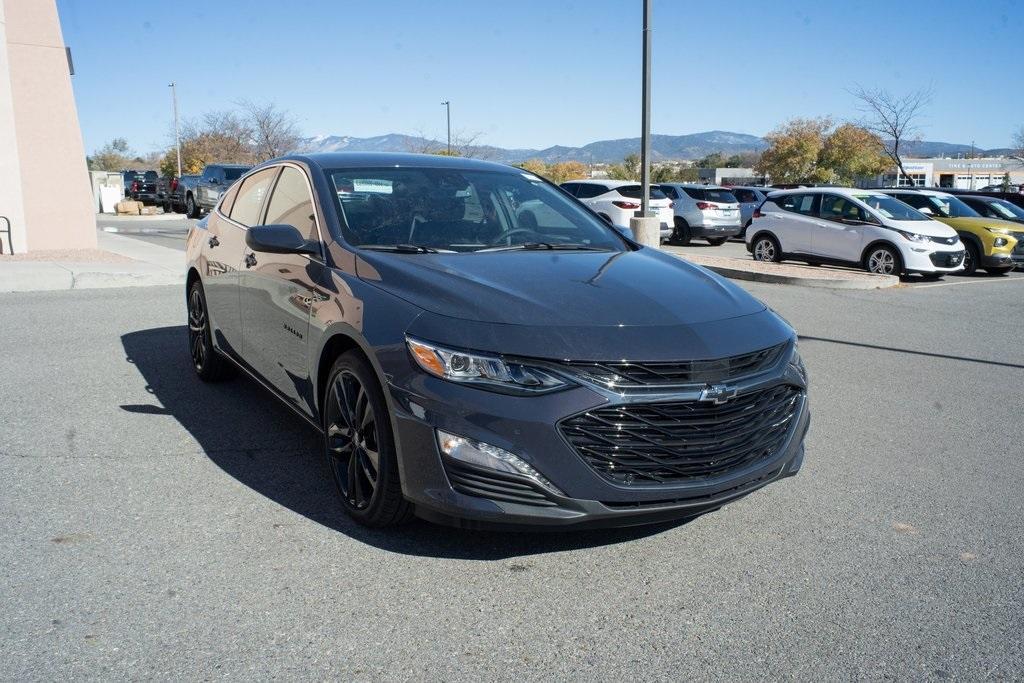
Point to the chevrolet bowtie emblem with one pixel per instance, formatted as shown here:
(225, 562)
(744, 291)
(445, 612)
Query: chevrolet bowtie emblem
(717, 393)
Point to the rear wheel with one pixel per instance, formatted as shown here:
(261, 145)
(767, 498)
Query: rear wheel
(360, 446)
(191, 210)
(766, 248)
(717, 241)
(681, 234)
(971, 258)
(883, 260)
(209, 365)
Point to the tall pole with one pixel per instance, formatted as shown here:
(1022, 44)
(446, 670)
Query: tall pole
(177, 137)
(448, 111)
(645, 136)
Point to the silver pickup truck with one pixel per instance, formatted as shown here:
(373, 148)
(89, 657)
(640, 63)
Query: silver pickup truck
(201, 193)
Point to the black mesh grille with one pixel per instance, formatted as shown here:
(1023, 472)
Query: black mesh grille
(683, 441)
(495, 485)
(634, 374)
(946, 259)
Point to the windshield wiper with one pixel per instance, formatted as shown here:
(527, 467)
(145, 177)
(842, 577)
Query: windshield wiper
(401, 248)
(535, 246)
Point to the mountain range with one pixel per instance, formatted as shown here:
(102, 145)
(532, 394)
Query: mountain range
(663, 147)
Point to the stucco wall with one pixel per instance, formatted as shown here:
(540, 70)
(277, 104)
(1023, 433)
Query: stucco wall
(56, 197)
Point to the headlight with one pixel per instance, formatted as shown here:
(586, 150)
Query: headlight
(798, 363)
(1000, 242)
(487, 371)
(490, 457)
(999, 231)
(914, 237)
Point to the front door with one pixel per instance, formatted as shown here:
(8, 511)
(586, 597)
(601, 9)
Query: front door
(841, 228)
(278, 293)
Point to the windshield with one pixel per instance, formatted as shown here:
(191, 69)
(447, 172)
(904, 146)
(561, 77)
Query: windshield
(723, 196)
(951, 207)
(633, 192)
(234, 173)
(892, 208)
(1007, 209)
(461, 210)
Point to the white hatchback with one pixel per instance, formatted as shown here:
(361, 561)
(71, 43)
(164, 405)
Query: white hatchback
(853, 227)
(617, 201)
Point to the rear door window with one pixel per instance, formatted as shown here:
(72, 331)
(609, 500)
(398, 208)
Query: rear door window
(227, 200)
(798, 203)
(249, 202)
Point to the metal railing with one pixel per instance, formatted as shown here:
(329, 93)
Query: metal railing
(10, 240)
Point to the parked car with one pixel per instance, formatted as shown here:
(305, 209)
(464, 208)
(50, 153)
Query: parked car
(1003, 188)
(703, 211)
(992, 207)
(617, 201)
(473, 366)
(991, 243)
(129, 177)
(204, 192)
(170, 192)
(749, 198)
(143, 187)
(853, 227)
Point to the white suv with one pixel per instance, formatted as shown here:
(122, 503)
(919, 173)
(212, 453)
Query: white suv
(706, 211)
(617, 201)
(854, 227)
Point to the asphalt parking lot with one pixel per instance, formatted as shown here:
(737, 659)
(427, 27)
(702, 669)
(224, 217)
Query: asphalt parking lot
(154, 526)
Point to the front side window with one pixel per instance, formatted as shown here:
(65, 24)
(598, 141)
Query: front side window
(246, 209)
(291, 204)
(1007, 209)
(233, 174)
(461, 211)
(835, 207)
(949, 207)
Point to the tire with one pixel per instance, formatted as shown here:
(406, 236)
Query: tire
(883, 260)
(766, 249)
(371, 492)
(209, 365)
(933, 276)
(971, 258)
(1001, 270)
(681, 234)
(743, 232)
(717, 241)
(191, 209)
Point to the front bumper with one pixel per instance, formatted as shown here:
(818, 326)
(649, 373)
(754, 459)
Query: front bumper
(528, 428)
(932, 260)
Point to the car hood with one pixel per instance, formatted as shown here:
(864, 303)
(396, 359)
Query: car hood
(932, 228)
(643, 288)
(975, 223)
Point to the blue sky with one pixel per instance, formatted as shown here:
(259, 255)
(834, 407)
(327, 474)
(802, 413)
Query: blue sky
(534, 73)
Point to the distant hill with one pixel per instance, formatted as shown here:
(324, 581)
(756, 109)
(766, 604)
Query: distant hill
(663, 147)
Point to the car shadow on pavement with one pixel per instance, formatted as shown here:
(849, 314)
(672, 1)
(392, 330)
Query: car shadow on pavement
(255, 439)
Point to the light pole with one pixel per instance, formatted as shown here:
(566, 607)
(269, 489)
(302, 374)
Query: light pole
(645, 224)
(448, 110)
(177, 138)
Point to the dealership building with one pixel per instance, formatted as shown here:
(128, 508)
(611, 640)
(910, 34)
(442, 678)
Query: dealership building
(964, 174)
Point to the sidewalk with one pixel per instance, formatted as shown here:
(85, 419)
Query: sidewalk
(119, 262)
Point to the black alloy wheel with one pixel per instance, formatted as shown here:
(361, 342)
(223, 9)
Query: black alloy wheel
(360, 447)
(681, 233)
(208, 364)
(971, 258)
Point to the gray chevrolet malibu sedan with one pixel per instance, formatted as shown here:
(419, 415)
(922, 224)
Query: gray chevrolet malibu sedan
(477, 348)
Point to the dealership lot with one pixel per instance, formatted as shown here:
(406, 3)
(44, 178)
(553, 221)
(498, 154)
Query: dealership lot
(156, 526)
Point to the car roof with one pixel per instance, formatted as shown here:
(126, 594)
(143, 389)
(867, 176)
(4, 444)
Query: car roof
(848, 191)
(326, 160)
(915, 190)
(696, 186)
(606, 183)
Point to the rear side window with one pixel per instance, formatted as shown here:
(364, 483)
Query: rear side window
(745, 196)
(227, 199)
(633, 192)
(291, 204)
(588, 190)
(249, 202)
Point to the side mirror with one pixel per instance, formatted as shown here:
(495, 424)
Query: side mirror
(279, 239)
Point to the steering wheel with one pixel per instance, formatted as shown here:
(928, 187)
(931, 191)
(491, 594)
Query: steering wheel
(508, 233)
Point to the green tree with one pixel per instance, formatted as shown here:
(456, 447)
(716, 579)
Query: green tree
(116, 155)
(713, 160)
(850, 152)
(629, 169)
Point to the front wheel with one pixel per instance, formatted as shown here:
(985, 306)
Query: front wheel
(360, 446)
(209, 365)
(971, 258)
(681, 233)
(883, 260)
(191, 210)
(766, 248)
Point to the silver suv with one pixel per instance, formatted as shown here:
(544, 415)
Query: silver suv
(706, 211)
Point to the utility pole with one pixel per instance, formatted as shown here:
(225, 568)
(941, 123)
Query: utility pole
(177, 137)
(448, 109)
(645, 224)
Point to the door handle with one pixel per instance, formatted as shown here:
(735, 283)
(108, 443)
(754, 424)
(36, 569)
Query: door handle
(250, 260)
(214, 242)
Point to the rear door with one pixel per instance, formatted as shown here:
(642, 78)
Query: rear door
(840, 233)
(277, 293)
(796, 222)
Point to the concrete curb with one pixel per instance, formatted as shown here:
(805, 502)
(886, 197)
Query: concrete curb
(802, 276)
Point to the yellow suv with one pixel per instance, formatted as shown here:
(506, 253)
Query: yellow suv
(990, 242)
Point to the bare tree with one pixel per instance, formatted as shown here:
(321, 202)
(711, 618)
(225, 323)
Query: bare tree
(464, 144)
(1018, 145)
(274, 131)
(893, 118)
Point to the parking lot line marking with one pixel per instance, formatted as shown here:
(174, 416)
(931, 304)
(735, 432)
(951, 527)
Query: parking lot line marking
(970, 282)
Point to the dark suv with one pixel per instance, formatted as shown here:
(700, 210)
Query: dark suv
(478, 348)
